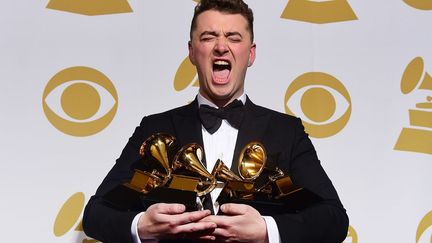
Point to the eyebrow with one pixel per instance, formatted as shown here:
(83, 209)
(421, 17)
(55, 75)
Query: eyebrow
(233, 33)
(214, 33)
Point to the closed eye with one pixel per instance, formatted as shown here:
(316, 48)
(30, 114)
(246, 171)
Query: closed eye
(208, 36)
(234, 36)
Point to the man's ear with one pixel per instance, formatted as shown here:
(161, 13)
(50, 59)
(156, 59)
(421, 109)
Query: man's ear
(191, 53)
(252, 54)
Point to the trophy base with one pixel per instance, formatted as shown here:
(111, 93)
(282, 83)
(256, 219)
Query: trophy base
(170, 195)
(289, 203)
(127, 198)
(265, 208)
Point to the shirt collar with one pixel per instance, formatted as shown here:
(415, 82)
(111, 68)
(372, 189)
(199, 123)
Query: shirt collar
(204, 101)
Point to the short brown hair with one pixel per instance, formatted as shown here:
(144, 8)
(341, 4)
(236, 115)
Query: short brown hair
(224, 6)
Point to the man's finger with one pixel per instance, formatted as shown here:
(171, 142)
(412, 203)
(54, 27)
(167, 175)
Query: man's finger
(234, 208)
(221, 233)
(184, 218)
(219, 220)
(167, 208)
(197, 229)
(207, 238)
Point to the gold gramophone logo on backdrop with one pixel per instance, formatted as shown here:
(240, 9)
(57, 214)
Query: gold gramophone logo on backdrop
(417, 137)
(319, 12)
(68, 217)
(420, 4)
(80, 101)
(186, 76)
(93, 7)
(424, 225)
(351, 236)
(325, 104)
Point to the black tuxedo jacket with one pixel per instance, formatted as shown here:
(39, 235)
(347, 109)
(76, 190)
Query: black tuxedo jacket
(281, 135)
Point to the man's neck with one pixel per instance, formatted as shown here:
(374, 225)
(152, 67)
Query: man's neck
(205, 101)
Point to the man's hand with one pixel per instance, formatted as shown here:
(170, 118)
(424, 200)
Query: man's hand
(240, 223)
(169, 221)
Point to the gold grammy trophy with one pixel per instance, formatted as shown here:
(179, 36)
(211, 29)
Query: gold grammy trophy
(190, 179)
(418, 137)
(167, 174)
(269, 190)
(154, 171)
(190, 173)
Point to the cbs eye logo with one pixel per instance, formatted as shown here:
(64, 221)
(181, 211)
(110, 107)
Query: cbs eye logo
(424, 226)
(420, 4)
(351, 236)
(80, 101)
(321, 101)
(69, 216)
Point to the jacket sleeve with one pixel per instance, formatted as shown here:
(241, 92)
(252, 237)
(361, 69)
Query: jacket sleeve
(102, 221)
(324, 222)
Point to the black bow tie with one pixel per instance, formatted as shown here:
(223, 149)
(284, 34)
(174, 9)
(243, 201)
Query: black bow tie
(211, 118)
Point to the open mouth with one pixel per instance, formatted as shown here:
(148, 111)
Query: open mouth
(221, 71)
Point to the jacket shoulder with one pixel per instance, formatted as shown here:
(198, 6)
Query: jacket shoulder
(277, 116)
(161, 116)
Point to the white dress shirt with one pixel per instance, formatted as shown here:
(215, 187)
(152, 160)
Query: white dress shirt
(219, 145)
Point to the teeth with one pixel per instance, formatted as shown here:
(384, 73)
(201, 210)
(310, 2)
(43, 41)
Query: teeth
(221, 62)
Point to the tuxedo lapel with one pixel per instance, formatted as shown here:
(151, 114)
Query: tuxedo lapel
(252, 128)
(187, 125)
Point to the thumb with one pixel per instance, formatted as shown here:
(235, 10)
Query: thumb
(234, 208)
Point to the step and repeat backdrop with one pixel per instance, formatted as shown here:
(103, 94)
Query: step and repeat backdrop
(77, 76)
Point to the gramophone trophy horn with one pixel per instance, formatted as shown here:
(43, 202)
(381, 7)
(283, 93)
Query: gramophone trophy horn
(182, 188)
(270, 192)
(190, 173)
(234, 185)
(222, 173)
(156, 150)
(155, 153)
(252, 161)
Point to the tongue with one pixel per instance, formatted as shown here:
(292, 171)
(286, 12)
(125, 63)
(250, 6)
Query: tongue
(221, 76)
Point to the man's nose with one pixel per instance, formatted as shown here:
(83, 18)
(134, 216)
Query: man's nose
(221, 47)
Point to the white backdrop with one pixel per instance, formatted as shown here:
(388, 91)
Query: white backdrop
(361, 56)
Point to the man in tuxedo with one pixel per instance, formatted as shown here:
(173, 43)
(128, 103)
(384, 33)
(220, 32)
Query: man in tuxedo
(223, 120)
